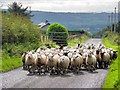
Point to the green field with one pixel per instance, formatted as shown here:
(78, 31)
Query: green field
(77, 40)
(112, 80)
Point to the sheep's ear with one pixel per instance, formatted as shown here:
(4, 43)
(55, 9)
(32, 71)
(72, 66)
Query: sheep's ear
(22, 53)
(80, 54)
(115, 51)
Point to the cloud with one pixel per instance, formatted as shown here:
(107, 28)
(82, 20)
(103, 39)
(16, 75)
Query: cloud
(68, 5)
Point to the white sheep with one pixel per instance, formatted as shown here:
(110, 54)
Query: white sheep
(76, 62)
(41, 63)
(52, 62)
(105, 58)
(31, 61)
(63, 63)
(91, 62)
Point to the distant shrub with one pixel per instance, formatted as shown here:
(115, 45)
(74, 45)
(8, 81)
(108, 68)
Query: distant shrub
(58, 34)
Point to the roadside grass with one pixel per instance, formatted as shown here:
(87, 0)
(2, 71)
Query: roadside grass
(9, 63)
(112, 80)
(77, 40)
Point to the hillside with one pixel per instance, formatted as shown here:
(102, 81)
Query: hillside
(74, 21)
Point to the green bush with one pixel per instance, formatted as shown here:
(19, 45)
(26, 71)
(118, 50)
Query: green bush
(58, 33)
(17, 29)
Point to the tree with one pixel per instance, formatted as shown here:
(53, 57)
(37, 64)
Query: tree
(58, 34)
(16, 8)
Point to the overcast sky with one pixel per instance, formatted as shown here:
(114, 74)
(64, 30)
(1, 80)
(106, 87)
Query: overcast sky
(67, 5)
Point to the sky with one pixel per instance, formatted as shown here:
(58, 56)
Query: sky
(66, 5)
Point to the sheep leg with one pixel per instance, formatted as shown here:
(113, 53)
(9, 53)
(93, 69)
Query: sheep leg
(77, 69)
(91, 68)
(80, 67)
(51, 72)
(58, 71)
(39, 70)
(96, 65)
(30, 69)
(106, 64)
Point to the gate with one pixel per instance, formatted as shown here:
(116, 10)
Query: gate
(59, 37)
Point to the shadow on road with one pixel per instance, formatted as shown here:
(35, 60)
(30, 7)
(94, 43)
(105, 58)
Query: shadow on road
(66, 75)
(79, 73)
(94, 72)
(30, 74)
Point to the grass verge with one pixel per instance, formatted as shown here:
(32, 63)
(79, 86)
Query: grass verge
(112, 80)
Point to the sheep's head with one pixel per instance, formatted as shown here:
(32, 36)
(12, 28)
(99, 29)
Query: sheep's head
(97, 51)
(90, 54)
(50, 57)
(115, 51)
(102, 54)
(29, 55)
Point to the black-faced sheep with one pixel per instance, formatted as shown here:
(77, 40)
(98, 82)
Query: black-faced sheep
(25, 67)
(105, 59)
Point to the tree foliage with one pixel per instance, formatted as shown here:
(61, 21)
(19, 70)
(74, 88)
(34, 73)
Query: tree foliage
(58, 33)
(17, 9)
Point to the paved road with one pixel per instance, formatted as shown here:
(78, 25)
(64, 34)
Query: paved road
(19, 78)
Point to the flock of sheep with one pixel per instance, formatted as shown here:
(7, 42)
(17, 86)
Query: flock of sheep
(60, 60)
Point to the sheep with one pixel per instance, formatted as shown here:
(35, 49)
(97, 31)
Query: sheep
(84, 55)
(91, 61)
(76, 62)
(105, 58)
(63, 63)
(25, 67)
(98, 58)
(52, 62)
(41, 63)
(115, 54)
(31, 60)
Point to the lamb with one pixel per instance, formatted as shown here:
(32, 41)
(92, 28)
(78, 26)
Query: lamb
(76, 62)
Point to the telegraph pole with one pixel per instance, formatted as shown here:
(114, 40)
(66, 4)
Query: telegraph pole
(115, 21)
(109, 22)
(112, 21)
